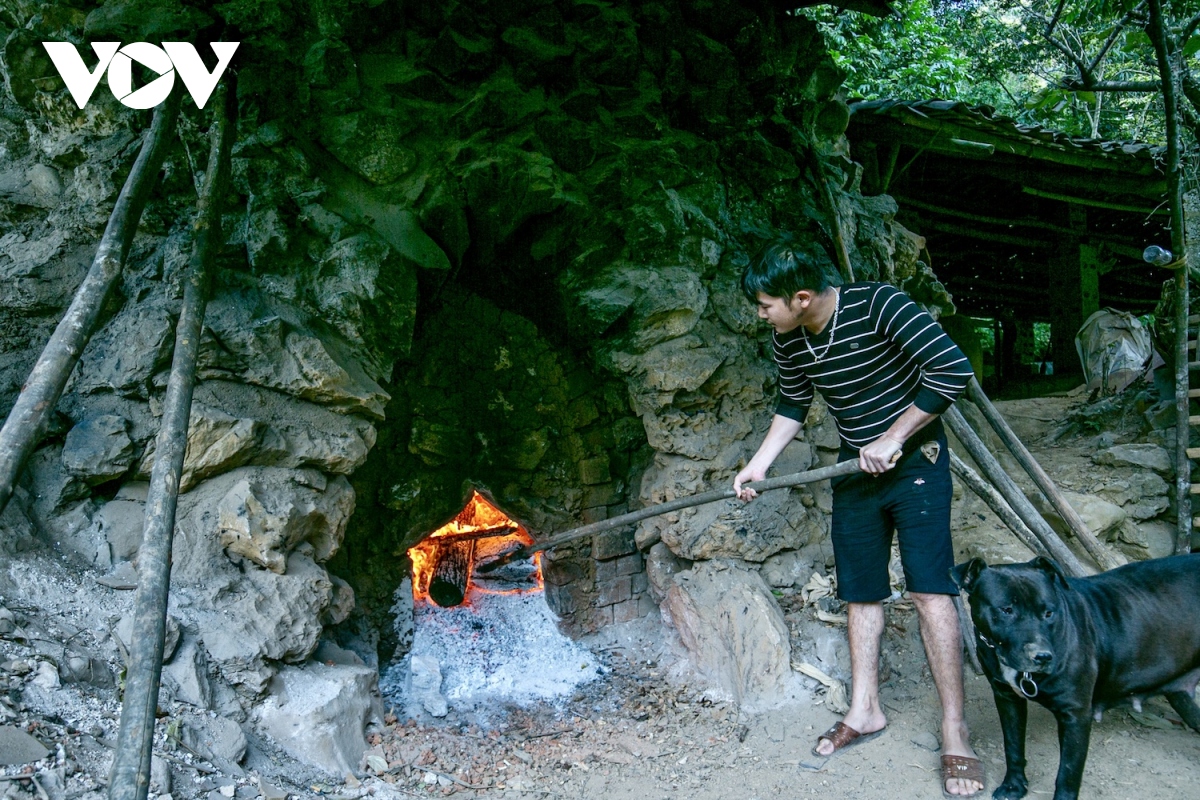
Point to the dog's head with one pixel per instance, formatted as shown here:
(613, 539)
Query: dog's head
(1017, 610)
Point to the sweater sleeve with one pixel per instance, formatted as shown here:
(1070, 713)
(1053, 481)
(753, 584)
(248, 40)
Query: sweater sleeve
(795, 389)
(945, 371)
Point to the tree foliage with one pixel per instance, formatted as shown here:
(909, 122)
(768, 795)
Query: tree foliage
(1083, 66)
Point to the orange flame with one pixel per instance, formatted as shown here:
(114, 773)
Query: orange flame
(477, 515)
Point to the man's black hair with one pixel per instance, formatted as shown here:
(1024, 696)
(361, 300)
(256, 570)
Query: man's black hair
(784, 267)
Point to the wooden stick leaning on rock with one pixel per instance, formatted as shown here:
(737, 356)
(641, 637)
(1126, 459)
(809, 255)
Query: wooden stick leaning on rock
(1012, 493)
(135, 739)
(1104, 558)
(27, 420)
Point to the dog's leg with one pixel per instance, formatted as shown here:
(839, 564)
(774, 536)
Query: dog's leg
(1185, 707)
(1014, 711)
(1074, 735)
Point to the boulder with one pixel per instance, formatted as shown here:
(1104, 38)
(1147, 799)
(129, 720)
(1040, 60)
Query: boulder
(786, 569)
(1100, 516)
(318, 713)
(660, 303)
(1153, 539)
(98, 449)
(250, 621)
(215, 738)
(733, 630)
(120, 522)
(216, 442)
(185, 676)
(265, 515)
(1139, 456)
(126, 633)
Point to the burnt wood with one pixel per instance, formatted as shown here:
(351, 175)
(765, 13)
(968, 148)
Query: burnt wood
(451, 570)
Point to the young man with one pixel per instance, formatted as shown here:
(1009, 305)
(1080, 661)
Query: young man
(886, 371)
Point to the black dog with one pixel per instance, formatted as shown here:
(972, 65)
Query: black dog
(1080, 645)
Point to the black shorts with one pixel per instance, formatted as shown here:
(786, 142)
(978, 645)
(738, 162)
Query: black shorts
(913, 499)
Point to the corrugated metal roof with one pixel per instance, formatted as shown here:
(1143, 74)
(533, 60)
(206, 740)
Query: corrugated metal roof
(986, 121)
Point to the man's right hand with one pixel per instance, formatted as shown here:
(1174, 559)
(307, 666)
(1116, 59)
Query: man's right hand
(747, 475)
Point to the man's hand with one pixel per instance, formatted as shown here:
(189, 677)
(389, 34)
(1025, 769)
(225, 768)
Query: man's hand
(880, 455)
(748, 475)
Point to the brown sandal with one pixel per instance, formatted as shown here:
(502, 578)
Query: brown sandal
(842, 736)
(962, 768)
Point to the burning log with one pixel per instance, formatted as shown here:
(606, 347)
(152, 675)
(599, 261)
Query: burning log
(451, 570)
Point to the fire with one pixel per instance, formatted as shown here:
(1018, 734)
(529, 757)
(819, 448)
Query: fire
(479, 533)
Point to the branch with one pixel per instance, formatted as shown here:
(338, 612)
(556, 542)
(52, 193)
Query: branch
(1054, 20)
(1048, 35)
(1112, 37)
(1188, 30)
(1073, 85)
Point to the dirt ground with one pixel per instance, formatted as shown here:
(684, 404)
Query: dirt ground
(647, 729)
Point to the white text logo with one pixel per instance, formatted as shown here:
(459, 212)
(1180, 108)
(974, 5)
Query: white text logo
(118, 61)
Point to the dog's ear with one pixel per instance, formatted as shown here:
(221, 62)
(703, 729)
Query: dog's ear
(1050, 566)
(965, 575)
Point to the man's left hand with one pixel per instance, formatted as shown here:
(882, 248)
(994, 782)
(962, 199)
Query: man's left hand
(880, 455)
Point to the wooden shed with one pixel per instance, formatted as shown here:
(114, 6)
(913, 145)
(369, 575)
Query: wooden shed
(1022, 224)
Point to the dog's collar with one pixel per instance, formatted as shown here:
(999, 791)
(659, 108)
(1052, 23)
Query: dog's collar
(1027, 685)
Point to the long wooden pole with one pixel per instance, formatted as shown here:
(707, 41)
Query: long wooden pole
(130, 777)
(1011, 493)
(1103, 557)
(27, 420)
(996, 502)
(612, 523)
(1183, 465)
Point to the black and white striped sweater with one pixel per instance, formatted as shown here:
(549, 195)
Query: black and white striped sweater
(887, 354)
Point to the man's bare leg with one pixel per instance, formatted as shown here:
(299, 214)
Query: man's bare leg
(943, 648)
(865, 629)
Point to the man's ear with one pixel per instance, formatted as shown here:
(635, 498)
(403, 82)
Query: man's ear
(965, 575)
(801, 299)
(1050, 566)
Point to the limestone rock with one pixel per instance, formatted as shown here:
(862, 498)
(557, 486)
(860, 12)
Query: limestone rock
(265, 515)
(216, 442)
(18, 747)
(368, 142)
(125, 632)
(318, 714)
(258, 346)
(216, 738)
(786, 569)
(144, 20)
(186, 674)
(775, 521)
(127, 352)
(660, 303)
(369, 294)
(98, 449)
(1140, 456)
(341, 602)
(425, 677)
(1100, 516)
(263, 617)
(120, 522)
(733, 630)
(25, 60)
(661, 567)
(1153, 539)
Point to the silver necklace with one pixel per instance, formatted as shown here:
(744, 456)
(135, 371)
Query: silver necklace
(837, 306)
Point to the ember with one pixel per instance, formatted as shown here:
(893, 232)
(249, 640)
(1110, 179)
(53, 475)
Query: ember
(444, 562)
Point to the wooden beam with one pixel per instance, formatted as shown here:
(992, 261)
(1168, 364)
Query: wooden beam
(1087, 201)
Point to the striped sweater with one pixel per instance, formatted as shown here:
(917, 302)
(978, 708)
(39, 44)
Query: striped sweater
(886, 355)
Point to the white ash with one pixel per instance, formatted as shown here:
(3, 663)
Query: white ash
(499, 647)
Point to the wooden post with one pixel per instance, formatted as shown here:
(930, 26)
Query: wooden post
(1012, 493)
(27, 420)
(1174, 168)
(130, 777)
(1103, 557)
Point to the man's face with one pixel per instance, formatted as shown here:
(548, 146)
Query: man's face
(782, 315)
